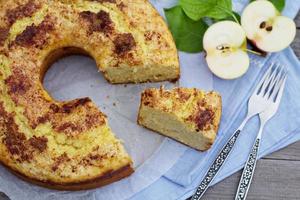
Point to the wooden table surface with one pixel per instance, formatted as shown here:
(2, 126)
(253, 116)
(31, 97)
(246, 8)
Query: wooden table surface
(277, 176)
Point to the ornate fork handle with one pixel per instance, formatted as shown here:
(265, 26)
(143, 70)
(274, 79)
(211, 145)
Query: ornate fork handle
(248, 172)
(216, 166)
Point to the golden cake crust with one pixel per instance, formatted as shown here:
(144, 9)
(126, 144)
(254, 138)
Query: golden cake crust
(129, 40)
(104, 179)
(199, 111)
(69, 145)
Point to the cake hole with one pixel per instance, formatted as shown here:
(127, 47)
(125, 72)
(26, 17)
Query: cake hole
(69, 77)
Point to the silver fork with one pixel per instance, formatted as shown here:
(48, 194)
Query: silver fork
(256, 104)
(274, 100)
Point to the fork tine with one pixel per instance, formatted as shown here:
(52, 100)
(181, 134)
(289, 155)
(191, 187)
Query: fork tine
(277, 85)
(267, 87)
(267, 73)
(280, 92)
(266, 83)
(274, 84)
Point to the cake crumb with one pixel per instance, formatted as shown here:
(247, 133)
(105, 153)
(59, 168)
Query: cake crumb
(114, 104)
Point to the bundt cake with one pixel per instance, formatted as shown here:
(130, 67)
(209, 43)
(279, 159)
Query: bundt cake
(69, 145)
(190, 116)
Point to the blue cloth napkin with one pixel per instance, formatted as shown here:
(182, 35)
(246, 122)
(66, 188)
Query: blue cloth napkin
(182, 179)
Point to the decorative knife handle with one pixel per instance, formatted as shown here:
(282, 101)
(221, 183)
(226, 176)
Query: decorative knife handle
(248, 172)
(216, 166)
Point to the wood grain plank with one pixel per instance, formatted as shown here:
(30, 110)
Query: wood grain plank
(292, 153)
(273, 180)
(297, 20)
(296, 44)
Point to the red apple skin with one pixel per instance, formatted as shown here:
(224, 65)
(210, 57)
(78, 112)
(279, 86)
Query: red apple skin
(256, 48)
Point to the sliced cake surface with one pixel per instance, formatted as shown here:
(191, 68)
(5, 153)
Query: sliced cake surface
(190, 116)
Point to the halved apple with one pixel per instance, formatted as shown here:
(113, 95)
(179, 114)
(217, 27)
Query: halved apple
(225, 44)
(266, 28)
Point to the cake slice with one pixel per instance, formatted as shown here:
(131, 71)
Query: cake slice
(190, 116)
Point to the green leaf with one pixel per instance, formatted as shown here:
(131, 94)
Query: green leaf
(279, 4)
(197, 9)
(237, 16)
(187, 33)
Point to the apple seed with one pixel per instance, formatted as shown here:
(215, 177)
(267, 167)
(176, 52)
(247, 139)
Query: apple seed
(269, 28)
(262, 25)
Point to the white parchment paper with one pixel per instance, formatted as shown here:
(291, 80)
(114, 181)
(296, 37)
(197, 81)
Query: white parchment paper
(153, 155)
